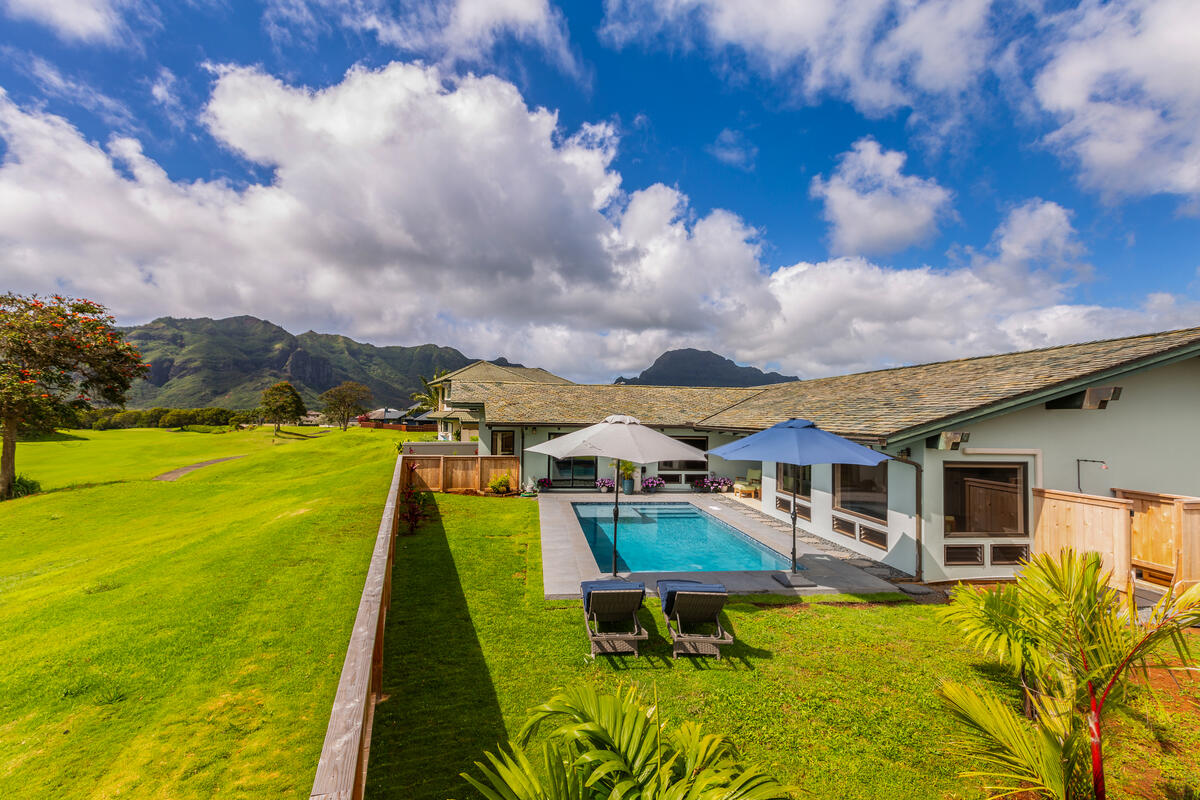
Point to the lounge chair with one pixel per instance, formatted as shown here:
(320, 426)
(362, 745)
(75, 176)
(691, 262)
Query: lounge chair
(607, 602)
(690, 604)
(751, 484)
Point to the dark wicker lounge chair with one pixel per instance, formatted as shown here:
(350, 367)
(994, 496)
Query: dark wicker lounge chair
(691, 605)
(613, 604)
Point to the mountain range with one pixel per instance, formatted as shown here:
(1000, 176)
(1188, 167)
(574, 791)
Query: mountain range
(689, 367)
(228, 362)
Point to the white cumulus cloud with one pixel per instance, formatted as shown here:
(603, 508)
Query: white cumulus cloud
(1123, 79)
(407, 204)
(78, 20)
(873, 208)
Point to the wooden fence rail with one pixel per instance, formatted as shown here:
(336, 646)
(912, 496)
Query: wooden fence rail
(1164, 543)
(342, 770)
(1084, 522)
(451, 473)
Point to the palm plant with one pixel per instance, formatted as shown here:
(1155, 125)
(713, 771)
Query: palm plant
(1074, 643)
(614, 746)
(427, 398)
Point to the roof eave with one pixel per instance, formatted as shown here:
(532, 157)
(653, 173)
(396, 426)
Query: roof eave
(1038, 396)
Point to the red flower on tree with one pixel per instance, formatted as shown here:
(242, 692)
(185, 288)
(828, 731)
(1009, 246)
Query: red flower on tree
(55, 357)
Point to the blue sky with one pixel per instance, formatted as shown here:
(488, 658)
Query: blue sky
(584, 185)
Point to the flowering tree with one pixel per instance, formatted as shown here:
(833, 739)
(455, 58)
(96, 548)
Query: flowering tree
(58, 355)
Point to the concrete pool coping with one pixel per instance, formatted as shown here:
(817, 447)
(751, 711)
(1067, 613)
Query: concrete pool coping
(567, 559)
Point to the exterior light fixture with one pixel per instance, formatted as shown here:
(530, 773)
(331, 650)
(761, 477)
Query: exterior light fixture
(1079, 462)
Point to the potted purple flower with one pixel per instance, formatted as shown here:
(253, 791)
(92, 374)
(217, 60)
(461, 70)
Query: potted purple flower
(544, 483)
(651, 484)
(605, 484)
(719, 483)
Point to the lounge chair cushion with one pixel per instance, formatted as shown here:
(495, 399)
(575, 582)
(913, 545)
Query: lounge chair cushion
(587, 587)
(667, 590)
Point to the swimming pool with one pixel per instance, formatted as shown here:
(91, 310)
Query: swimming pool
(671, 537)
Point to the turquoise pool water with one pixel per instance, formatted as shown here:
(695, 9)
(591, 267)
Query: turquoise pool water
(671, 537)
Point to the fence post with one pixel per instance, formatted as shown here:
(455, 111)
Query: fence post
(441, 473)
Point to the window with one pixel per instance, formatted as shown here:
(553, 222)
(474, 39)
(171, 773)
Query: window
(794, 480)
(964, 555)
(1006, 554)
(984, 499)
(698, 442)
(861, 490)
(503, 443)
(783, 503)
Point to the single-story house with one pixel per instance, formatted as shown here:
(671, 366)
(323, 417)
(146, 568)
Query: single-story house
(971, 439)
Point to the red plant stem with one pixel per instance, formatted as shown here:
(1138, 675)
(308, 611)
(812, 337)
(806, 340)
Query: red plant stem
(1097, 754)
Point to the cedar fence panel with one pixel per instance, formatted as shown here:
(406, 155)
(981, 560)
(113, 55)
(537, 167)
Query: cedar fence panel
(1087, 523)
(460, 473)
(427, 474)
(1188, 568)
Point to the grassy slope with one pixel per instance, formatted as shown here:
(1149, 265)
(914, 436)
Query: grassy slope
(180, 639)
(837, 699)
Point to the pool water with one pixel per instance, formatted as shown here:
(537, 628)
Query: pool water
(671, 537)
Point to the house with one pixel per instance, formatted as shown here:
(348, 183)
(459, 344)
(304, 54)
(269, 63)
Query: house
(462, 424)
(971, 439)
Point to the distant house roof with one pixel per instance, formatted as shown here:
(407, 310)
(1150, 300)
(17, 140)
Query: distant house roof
(883, 405)
(487, 371)
(387, 413)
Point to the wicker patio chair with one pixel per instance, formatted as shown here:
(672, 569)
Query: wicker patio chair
(689, 605)
(613, 604)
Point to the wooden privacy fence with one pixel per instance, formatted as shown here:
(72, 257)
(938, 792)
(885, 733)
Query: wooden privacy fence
(342, 770)
(450, 473)
(1084, 522)
(1165, 536)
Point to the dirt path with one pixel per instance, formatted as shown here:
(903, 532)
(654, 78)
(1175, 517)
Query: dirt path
(176, 474)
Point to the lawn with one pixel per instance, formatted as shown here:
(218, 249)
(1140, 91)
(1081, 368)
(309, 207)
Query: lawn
(180, 639)
(70, 458)
(835, 698)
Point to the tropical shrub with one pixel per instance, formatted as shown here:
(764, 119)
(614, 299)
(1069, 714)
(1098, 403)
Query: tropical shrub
(178, 417)
(23, 485)
(413, 506)
(501, 484)
(1074, 643)
(615, 746)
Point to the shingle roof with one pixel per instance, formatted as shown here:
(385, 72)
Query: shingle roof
(584, 404)
(487, 371)
(877, 405)
(887, 402)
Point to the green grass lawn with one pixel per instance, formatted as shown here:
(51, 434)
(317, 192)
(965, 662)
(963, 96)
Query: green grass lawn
(837, 699)
(71, 458)
(181, 639)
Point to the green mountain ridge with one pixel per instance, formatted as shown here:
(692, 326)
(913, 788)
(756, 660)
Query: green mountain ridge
(691, 367)
(228, 362)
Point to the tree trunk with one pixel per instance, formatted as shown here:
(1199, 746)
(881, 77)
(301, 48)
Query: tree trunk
(8, 457)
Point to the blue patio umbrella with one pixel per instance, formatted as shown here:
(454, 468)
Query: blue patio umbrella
(799, 442)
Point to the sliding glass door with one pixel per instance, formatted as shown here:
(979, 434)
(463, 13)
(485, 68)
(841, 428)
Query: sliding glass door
(572, 473)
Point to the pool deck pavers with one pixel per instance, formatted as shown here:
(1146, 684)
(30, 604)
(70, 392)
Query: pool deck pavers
(567, 559)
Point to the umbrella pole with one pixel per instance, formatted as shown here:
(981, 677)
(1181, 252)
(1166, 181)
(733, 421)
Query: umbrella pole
(616, 511)
(793, 535)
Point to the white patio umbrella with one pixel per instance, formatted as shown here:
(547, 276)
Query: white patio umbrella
(625, 439)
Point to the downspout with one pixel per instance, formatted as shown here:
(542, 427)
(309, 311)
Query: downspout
(919, 516)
